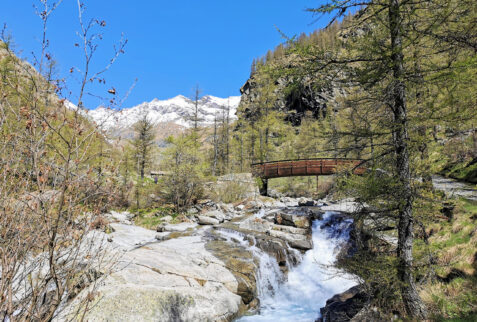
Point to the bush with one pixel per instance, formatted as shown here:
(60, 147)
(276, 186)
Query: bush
(229, 192)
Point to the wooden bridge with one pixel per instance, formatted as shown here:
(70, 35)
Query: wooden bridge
(304, 167)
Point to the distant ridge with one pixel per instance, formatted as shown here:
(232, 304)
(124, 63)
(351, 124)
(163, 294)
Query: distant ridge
(176, 111)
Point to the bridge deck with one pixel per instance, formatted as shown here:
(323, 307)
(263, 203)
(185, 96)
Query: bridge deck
(309, 167)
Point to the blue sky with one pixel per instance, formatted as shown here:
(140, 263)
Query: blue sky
(172, 45)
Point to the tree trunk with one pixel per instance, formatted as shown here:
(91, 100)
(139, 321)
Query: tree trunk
(412, 302)
(252, 144)
(143, 164)
(474, 139)
(227, 143)
(241, 150)
(214, 166)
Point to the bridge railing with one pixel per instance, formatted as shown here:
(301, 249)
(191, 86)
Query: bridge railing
(306, 159)
(305, 167)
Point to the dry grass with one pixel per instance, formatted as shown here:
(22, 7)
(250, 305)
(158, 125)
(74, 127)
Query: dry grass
(457, 227)
(454, 294)
(448, 256)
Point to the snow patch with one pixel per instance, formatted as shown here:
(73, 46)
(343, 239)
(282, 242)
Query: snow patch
(178, 110)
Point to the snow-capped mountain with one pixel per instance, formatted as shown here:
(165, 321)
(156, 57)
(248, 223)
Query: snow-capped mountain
(177, 110)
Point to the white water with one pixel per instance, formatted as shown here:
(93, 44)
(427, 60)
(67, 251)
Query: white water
(309, 284)
(269, 275)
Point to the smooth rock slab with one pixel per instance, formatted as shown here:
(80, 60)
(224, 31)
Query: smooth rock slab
(127, 237)
(175, 280)
(181, 227)
(212, 302)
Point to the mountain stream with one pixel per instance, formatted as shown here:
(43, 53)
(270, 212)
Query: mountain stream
(300, 295)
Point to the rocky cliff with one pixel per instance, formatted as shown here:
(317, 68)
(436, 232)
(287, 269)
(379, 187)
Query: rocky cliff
(295, 97)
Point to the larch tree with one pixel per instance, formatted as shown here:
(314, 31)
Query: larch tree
(378, 67)
(194, 116)
(185, 162)
(143, 143)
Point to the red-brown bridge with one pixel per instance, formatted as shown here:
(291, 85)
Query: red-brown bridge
(305, 167)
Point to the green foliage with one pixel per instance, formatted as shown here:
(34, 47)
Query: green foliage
(143, 144)
(144, 193)
(186, 166)
(465, 171)
(356, 59)
(471, 318)
(150, 218)
(229, 192)
(316, 187)
(378, 274)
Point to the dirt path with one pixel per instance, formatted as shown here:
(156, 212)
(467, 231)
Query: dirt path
(453, 187)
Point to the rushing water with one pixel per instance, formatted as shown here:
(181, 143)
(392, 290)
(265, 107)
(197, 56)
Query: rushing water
(309, 284)
(269, 275)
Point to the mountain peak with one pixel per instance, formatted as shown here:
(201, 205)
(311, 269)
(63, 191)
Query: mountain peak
(177, 110)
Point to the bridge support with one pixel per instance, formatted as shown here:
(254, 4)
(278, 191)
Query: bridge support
(264, 187)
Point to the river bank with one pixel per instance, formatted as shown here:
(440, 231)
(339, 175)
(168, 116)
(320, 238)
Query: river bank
(260, 259)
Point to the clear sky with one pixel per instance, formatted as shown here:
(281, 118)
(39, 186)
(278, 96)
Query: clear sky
(172, 45)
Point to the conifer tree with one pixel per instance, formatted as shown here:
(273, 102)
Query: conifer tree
(185, 162)
(386, 55)
(143, 143)
(195, 117)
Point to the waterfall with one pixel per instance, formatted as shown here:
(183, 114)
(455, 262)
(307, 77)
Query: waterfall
(310, 283)
(268, 275)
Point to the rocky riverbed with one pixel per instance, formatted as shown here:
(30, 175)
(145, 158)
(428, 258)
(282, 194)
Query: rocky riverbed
(215, 267)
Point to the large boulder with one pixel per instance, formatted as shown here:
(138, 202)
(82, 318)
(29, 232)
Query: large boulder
(204, 220)
(347, 205)
(297, 241)
(343, 307)
(289, 202)
(175, 280)
(295, 220)
(216, 214)
(305, 202)
(255, 224)
(277, 248)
